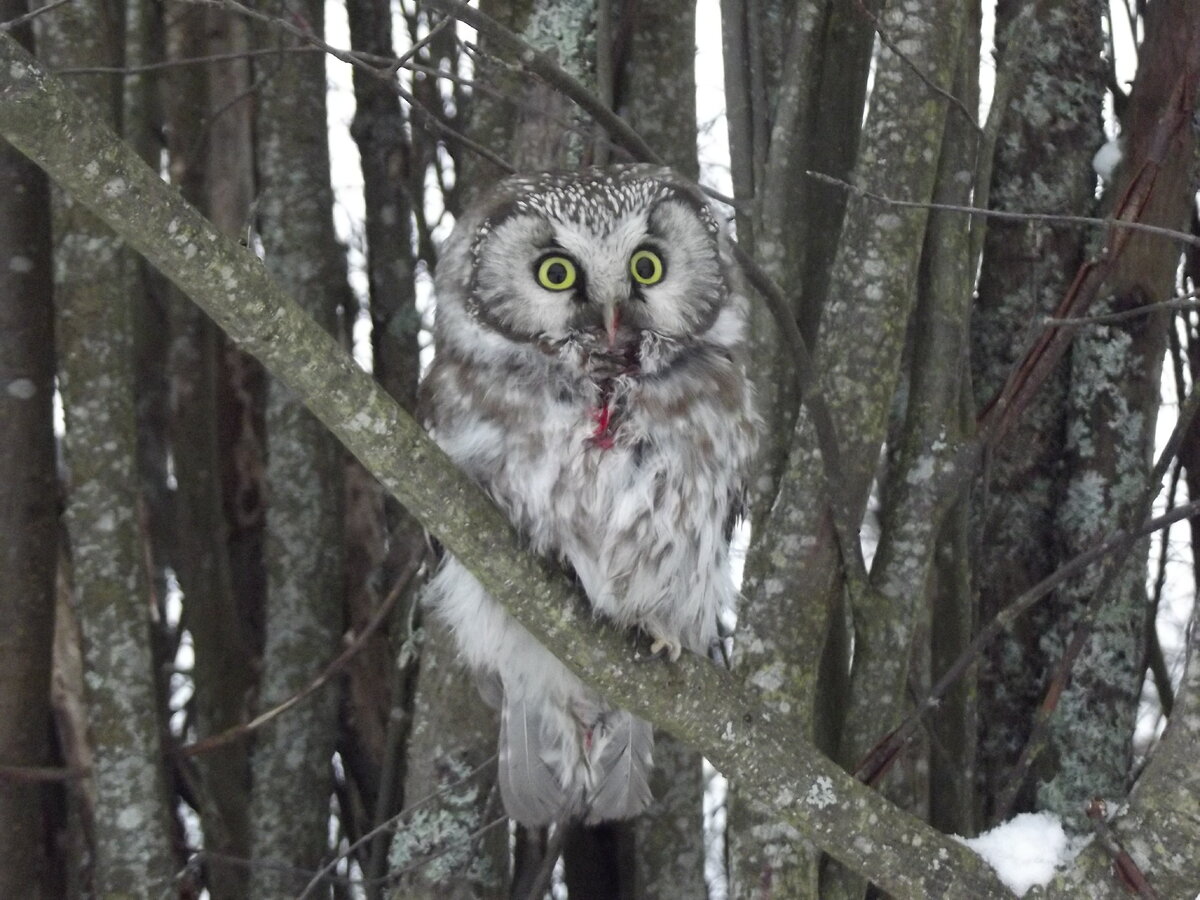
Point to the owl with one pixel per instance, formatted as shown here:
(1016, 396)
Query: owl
(588, 374)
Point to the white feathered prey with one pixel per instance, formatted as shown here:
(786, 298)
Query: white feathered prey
(589, 375)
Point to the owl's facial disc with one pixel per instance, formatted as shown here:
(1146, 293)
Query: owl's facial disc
(604, 271)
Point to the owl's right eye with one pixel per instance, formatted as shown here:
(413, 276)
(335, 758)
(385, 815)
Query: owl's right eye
(555, 273)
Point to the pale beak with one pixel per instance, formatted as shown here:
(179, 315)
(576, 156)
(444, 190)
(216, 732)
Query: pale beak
(612, 319)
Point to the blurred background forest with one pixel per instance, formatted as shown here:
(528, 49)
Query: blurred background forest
(215, 675)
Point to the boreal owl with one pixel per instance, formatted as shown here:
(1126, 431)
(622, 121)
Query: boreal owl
(588, 373)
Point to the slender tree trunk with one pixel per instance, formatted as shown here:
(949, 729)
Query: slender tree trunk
(30, 865)
(94, 295)
(1043, 162)
(1112, 407)
(303, 551)
(379, 710)
(210, 147)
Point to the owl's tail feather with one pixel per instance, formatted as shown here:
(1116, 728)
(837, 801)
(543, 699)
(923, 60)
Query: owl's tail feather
(530, 786)
(620, 761)
(587, 761)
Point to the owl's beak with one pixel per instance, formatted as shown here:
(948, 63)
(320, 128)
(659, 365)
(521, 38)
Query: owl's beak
(612, 319)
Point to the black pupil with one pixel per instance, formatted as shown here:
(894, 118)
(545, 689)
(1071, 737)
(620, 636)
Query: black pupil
(644, 267)
(557, 273)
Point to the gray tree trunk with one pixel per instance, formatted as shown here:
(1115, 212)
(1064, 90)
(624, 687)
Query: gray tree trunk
(94, 288)
(206, 113)
(1042, 162)
(291, 766)
(1112, 409)
(29, 863)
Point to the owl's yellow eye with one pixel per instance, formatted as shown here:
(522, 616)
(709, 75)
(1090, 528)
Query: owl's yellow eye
(556, 273)
(646, 267)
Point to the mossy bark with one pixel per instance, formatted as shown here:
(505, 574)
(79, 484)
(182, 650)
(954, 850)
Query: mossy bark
(1042, 160)
(304, 548)
(94, 287)
(1112, 408)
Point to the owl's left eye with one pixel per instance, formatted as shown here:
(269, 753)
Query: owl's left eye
(555, 273)
(646, 267)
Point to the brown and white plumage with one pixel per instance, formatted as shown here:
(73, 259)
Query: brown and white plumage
(588, 374)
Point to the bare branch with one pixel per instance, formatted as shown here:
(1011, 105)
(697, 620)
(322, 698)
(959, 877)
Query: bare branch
(1052, 218)
(877, 762)
(1182, 303)
(322, 678)
(31, 15)
(886, 40)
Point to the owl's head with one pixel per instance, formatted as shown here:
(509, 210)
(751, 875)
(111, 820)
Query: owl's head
(601, 256)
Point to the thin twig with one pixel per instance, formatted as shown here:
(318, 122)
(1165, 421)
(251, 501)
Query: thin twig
(389, 825)
(32, 14)
(42, 774)
(339, 663)
(1004, 215)
(183, 62)
(365, 63)
(1183, 303)
(411, 53)
(1127, 869)
(886, 40)
(877, 762)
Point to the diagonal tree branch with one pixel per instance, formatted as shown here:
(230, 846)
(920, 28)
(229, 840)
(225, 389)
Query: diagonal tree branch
(699, 703)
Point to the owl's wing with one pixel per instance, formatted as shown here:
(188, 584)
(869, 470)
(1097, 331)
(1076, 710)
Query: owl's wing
(620, 761)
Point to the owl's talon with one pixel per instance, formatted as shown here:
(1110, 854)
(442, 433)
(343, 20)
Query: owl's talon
(673, 648)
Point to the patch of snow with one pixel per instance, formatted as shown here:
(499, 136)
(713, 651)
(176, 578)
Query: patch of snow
(1107, 158)
(1026, 850)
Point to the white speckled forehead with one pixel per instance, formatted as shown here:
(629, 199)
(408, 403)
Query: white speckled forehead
(596, 203)
(597, 199)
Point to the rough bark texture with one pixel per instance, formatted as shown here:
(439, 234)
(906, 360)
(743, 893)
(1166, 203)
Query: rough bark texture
(303, 550)
(792, 73)
(760, 741)
(28, 524)
(895, 623)
(1048, 134)
(377, 710)
(453, 731)
(872, 290)
(438, 851)
(1162, 815)
(1112, 407)
(795, 81)
(93, 296)
(668, 842)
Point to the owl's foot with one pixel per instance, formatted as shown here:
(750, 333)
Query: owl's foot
(672, 649)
